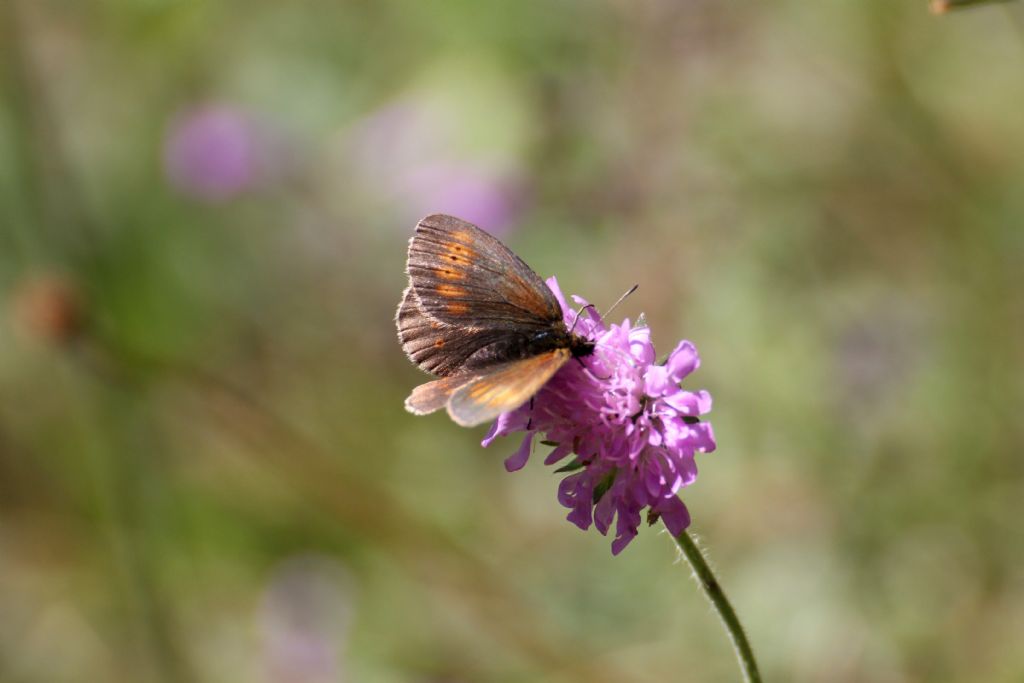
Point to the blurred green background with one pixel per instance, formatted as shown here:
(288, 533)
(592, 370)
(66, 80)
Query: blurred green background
(206, 473)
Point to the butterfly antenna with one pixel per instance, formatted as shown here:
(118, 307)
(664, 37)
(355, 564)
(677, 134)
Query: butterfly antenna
(578, 314)
(621, 299)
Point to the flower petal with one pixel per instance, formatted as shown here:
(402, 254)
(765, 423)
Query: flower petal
(604, 512)
(674, 514)
(703, 437)
(517, 460)
(682, 361)
(625, 529)
(654, 479)
(640, 346)
(575, 492)
(506, 423)
(683, 402)
(567, 312)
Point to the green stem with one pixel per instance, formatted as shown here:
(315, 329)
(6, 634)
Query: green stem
(716, 596)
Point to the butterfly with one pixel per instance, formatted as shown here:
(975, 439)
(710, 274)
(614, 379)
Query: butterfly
(479, 318)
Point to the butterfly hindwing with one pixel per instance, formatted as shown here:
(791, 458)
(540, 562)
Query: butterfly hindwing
(462, 276)
(436, 347)
(503, 388)
(426, 398)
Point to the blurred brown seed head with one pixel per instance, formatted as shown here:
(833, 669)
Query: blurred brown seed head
(48, 307)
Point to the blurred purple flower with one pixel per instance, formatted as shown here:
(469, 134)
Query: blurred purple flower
(633, 430)
(476, 194)
(214, 153)
(406, 151)
(305, 618)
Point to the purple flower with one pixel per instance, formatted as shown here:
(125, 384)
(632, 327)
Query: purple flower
(412, 151)
(634, 432)
(475, 193)
(306, 617)
(214, 153)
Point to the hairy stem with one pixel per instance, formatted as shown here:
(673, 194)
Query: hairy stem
(716, 596)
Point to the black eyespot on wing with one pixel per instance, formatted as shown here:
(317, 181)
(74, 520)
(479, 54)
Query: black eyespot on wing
(464, 276)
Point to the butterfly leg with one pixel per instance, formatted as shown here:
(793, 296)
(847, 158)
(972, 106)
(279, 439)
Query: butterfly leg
(529, 423)
(589, 371)
(583, 365)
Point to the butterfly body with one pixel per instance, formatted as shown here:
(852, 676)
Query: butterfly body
(479, 318)
(521, 347)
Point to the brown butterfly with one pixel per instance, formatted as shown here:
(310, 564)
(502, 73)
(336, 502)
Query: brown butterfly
(479, 318)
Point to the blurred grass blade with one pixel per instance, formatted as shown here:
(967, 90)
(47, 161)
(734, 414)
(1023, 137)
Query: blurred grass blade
(943, 6)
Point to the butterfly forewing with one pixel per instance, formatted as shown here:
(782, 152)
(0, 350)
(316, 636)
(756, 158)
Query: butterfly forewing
(462, 276)
(504, 388)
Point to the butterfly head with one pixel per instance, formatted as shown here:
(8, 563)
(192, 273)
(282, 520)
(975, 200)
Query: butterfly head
(580, 346)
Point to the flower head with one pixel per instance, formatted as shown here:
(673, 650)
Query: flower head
(633, 430)
(413, 151)
(214, 153)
